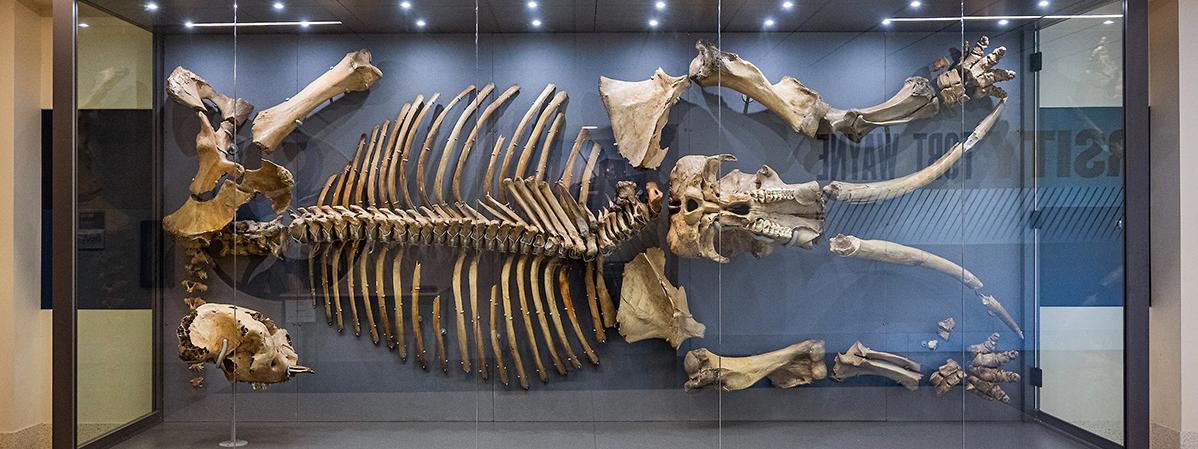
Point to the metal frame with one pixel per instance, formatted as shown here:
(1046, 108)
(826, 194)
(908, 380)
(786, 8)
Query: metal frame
(1137, 286)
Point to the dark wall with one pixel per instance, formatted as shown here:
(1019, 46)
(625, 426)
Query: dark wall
(972, 215)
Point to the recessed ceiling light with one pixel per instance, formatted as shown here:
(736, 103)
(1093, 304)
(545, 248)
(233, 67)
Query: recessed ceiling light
(769, 22)
(189, 24)
(1108, 22)
(305, 23)
(1044, 3)
(916, 3)
(885, 21)
(1004, 22)
(83, 25)
(660, 5)
(278, 6)
(653, 23)
(151, 6)
(421, 23)
(536, 22)
(532, 5)
(788, 5)
(405, 5)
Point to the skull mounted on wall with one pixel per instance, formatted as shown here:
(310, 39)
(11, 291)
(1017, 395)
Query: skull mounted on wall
(741, 211)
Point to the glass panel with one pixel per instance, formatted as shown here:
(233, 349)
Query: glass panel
(437, 150)
(117, 229)
(1079, 192)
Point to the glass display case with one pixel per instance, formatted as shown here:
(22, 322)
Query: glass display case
(607, 223)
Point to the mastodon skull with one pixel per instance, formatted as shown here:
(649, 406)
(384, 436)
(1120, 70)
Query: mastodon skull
(740, 211)
(244, 344)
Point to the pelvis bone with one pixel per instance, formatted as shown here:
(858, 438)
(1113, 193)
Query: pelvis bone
(650, 307)
(798, 364)
(244, 344)
(746, 212)
(638, 112)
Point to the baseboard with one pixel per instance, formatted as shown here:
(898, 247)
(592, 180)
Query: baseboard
(36, 436)
(1165, 437)
(1189, 440)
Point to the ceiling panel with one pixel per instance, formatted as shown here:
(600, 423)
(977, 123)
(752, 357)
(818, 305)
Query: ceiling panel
(586, 16)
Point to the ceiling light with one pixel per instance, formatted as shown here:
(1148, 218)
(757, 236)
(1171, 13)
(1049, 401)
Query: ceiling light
(660, 5)
(1044, 3)
(769, 22)
(1004, 22)
(653, 23)
(83, 25)
(405, 5)
(278, 6)
(788, 5)
(988, 18)
(421, 23)
(1108, 22)
(916, 3)
(532, 5)
(536, 22)
(302, 23)
(151, 6)
(885, 21)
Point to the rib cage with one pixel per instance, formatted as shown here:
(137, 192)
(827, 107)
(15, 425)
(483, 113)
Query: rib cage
(358, 220)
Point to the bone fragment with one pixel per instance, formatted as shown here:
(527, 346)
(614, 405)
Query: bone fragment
(946, 377)
(798, 364)
(945, 327)
(859, 360)
(354, 73)
(883, 190)
(987, 390)
(638, 112)
(650, 306)
(890, 252)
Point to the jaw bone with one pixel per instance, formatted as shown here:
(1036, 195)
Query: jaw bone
(354, 73)
(798, 364)
(638, 112)
(650, 307)
(859, 360)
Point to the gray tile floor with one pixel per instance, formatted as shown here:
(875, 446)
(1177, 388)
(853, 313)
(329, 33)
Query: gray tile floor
(632, 435)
